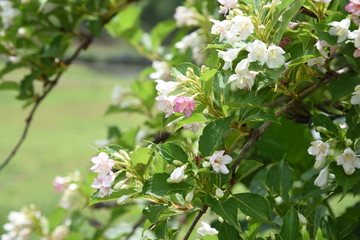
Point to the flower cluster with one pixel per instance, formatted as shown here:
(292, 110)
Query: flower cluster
(353, 7)
(102, 166)
(186, 17)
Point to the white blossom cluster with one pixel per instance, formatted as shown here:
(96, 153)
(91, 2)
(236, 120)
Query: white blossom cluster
(7, 13)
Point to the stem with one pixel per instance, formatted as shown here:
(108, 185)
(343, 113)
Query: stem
(196, 220)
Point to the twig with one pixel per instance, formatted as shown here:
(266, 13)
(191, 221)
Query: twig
(258, 132)
(136, 225)
(196, 220)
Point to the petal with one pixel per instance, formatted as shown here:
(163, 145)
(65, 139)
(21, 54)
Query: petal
(226, 159)
(348, 168)
(223, 169)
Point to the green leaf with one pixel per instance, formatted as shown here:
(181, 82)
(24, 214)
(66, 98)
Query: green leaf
(347, 182)
(158, 186)
(253, 229)
(278, 179)
(291, 227)
(146, 92)
(213, 136)
(7, 85)
(194, 118)
(326, 122)
(343, 86)
(153, 212)
(228, 232)
(161, 31)
(120, 109)
(246, 168)
(172, 151)
(161, 229)
(181, 69)
(254, 206)
(226, 209)
(206, 76)
(140, 160)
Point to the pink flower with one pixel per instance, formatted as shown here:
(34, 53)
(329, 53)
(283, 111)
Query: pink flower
(185, 105)
(103, 164)
(357, 53)
(218, 161)
(103, 184)
(353, 7)
(60, 183)
(166, 104)
(227, 5)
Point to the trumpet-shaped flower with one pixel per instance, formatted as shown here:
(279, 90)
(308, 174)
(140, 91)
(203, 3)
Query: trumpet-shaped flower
(228, 57)
(221, 28)
(322, 180)
(226, 5)
(103, 184)
(185, 17)
(242, 27)
(348, 160)
(185, 105)
(166, 104)
(177, 175)
(321, 150)
(353, 7)
(218, 161)
(257, 52)
(355, 99)
(244, 79)
(340, 29)
(103, 164)
(206, 229)
(275, 56)
(166, 87)
(356, 36)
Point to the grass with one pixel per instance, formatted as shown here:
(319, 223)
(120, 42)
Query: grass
(61, 138)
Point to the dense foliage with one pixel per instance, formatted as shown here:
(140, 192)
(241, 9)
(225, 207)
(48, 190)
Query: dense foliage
(252, 112)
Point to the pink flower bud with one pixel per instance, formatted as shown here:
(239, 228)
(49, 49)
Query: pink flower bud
(185, 105)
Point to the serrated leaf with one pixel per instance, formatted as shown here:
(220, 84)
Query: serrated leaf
(171, 152)
(226, 209)
(254, 206)
(247, 167)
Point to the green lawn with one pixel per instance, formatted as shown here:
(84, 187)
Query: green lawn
(61, 138)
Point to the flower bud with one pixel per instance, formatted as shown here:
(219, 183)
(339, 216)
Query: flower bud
(302, 219)
(189, 197)
(177, 175)
(321, 129)
(123, 199)
(205, 111)
(221, 219)
(348, 142)
(279, 200)
(121, 185)
(206, 164)
(219, 193)
(177, 163)
(124, 155)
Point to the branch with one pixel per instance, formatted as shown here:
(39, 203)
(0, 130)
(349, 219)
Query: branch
(196, 220)
(258, 132)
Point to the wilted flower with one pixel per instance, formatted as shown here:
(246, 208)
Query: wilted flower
(275, 56)
(348, 160)
(206, 229)
(185, 16)
(228, 57)
(103, 164)
(218, 161)
(177, 175)
(321, 150)
(166, 104)
(340, 29)
(322, 180)
(355, 99)
(185, 105)
(257, 52)
(226, 5)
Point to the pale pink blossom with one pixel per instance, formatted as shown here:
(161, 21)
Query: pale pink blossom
(166, 104)
(221, 28)
(353, 7)
(218, 161)
(356, 53)
(185, 105)
(193, 126)
(103, 164)
(60, 183)
(226, 5)
(103, 184)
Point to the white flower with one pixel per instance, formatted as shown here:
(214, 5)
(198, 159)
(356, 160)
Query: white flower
(316, 61)
(18, 227)
(228, 57)
(185, 17)
(323, 178)
(123, 199)
(219, 193)
(71, 197)
(257, 52)
(60, 232)
(221, 28)
(103, 164)
(348, 160)
(195, 42)
(275, 56)
(243, 77)
(279, 200)
(340, 29)
(356, 36)
(166, 104)
(226, 5)
(162, 70)
(194, 126)
(7, 13)
(103, 184)
(177, 175)
(320, 47)
(321, 150)
(165, 88)
(206, 229)
(302, 219)
(189, 197)
(242, 27)
(218, 162)
(355, 99)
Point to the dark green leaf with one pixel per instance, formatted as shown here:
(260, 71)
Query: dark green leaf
(254, 206)
(226, 209)
(291, 227)
(172, 151)
(278, 179)
(347, 182)
(9, 86)
(228, 232)
(247, 167)
(326, 122)
(153, 212)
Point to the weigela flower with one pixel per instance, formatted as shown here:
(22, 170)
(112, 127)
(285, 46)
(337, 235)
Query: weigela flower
(226, 5)
(244, 79)
(177, 175)
(60, 183)
(322, 180)
(166, 104)
(117, 95)
(218, 161)
(353, 7)
(164, 88)
(320, 47)
(162, 70)
(193, 126)
(206, 229)
(103, 184)
(316, 61)
(321, 150)
(185, 17)
(228, 57)
(348, 160)
(221, 28)
(257, 52)
(275, 56)
(18, 227)
(242, 27)
(103, 164)
(356, 36)
(185, 105)
(340, 29)
(196, 43)
(355, 99)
